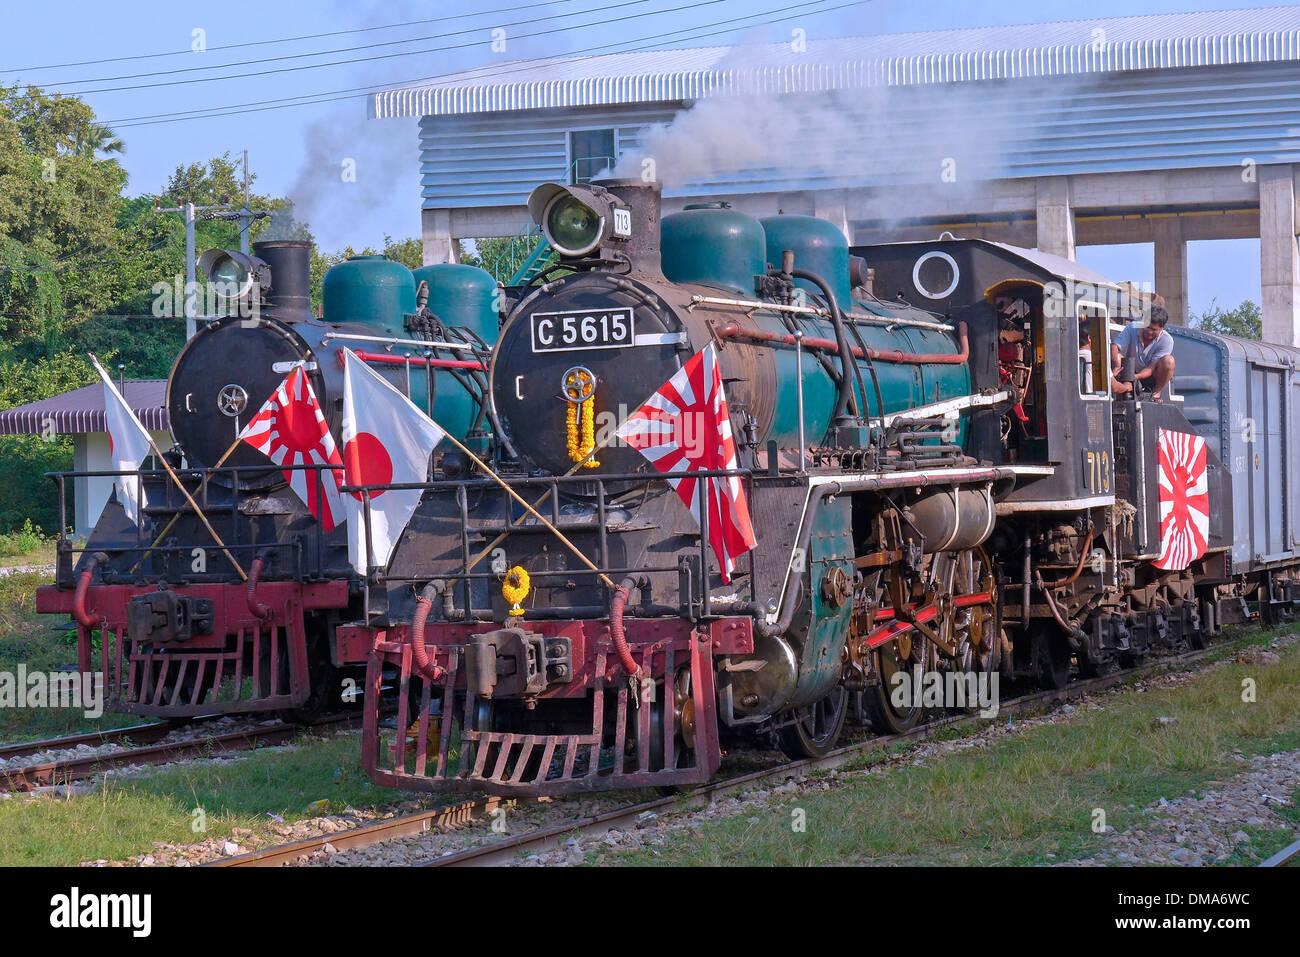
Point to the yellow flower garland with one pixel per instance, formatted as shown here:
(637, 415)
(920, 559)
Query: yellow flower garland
(580, 448)
(515, 589)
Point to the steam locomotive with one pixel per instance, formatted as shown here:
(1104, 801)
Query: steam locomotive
(935, 470)
(244, 620)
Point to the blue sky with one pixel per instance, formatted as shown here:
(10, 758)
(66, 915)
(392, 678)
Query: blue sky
(301, 149)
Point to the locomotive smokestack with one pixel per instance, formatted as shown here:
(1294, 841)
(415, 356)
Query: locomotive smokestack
(290, 262)
(644, 200)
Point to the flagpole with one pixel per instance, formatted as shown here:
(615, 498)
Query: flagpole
(163, 534)
(179, 484)
(545, 495)
(532, 511)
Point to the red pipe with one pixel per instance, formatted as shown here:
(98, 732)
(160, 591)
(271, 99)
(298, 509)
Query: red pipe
(258, 609)
(616, 606)
(423, 605)
(420, 361)
(734, 330)
(84, 619)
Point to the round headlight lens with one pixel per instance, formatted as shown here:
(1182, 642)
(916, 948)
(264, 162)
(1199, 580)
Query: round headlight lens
(229, 277)
(572, 226)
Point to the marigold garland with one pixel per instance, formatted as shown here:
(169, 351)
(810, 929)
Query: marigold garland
(581, 447)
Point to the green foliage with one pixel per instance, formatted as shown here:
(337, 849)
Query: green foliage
(1244, 321)
(25, 493)
(80, 262)
(22, 540)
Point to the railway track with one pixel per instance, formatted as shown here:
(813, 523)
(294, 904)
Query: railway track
(142, 733)
(66, 770)
(1289, 856)
(500, 852)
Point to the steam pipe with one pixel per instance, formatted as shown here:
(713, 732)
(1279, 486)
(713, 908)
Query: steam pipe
(616, 605)
(845, 397)
(258, 609)
(1073, 632)
(420, 654)
(84, 619)
(1078, 570)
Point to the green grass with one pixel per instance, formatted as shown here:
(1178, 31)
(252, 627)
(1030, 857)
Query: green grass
(26, 546)
(1023, 797)
(126, 817)
(27, 638)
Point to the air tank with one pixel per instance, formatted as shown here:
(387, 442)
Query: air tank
(818, 247)
(370, 290)
(713, 244)
(462, 295)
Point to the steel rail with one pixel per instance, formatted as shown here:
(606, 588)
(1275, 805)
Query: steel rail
(452, 816)
(28, 777)
(445, 818)
(138, 732)
(501, 852)
(1284, 858)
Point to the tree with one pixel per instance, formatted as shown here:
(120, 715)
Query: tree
(98, 138)
(1244, 321)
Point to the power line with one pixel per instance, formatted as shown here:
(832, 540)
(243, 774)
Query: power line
(515, 66)
(311, 66)
(307, 36)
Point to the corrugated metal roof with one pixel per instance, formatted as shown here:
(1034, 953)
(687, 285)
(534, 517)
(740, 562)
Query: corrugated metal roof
(82, 410)
(1154, 42)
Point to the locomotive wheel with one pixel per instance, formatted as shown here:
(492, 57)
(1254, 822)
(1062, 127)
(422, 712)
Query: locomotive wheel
(890, 659)
(1052, 649)
(815, 729)
(976, 629)
(682, 711)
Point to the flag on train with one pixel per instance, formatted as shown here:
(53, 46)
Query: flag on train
(685, 428)
(386, 439)
(128, 446)
(290, 429)
(1184, 499)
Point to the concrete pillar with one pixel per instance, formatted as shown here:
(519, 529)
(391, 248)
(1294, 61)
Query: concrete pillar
(439, 246)
(839, 215)
(1171, 267)
(1279, 260)
(1055, 216)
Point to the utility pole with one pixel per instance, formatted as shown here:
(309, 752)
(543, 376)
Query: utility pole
(191, 277)
(246, 216)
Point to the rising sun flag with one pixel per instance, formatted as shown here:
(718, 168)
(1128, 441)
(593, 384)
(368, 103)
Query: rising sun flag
(1184, 499)
(685, 428)
(290, 429)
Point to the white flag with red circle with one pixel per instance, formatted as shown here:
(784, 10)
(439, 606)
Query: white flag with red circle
(1184, 499)
(386, 440)
(128, 446)
(684, 428)
(290, 429)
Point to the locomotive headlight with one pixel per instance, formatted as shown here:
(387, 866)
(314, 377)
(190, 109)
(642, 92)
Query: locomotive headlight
(572, 226)
(232, 273)
(576, 220)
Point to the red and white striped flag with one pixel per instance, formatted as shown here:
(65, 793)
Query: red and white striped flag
(290, 429)
(1184, 499)
(684, 428)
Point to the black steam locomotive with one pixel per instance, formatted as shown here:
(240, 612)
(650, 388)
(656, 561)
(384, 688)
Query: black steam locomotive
(936, 474)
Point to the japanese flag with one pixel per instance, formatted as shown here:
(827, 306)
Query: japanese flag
(386, 439)
(128, 444)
